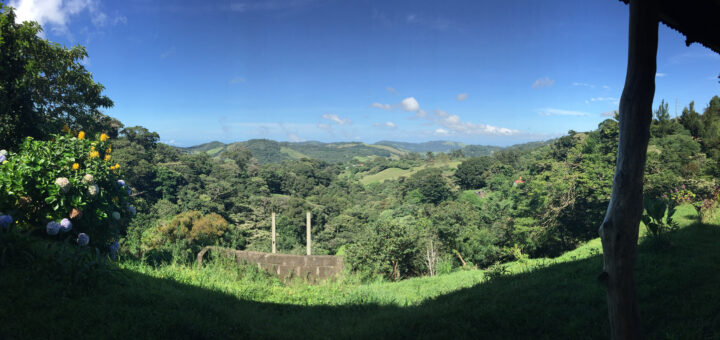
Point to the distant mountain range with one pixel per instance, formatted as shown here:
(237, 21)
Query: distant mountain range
(270, 151)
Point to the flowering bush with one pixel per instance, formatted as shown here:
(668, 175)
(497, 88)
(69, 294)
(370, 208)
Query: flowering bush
(681, 195)
(65, 188)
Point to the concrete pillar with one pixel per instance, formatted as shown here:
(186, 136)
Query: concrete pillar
(273, 233)
(308, 234)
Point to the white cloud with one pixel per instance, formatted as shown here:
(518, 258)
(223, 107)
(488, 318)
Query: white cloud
(606, 87)
(543, 82)
(382, 106)
(269, 5)
(410, 104)
(390, 125)
(391, 90)
(584, 85)
(452, 124)
(55, 15)
(119, 19)
(660, 74)
(559, 112)
(335, 118)
(601, 99)
(461, 96)
(609, 113)
(294, 138)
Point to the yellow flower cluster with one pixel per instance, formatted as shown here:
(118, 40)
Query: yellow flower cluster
(103, 137)
(107, 158)
(94, 154)
(115, 167)
(81, 135)
(75, 166)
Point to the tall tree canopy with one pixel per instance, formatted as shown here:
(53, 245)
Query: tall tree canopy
(44, 86)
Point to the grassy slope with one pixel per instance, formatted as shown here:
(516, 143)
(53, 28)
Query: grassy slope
(541, 298)
(395, 173)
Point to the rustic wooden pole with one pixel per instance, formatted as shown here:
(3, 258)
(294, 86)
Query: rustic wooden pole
(619, 230)
(273, 233)
(308, 234)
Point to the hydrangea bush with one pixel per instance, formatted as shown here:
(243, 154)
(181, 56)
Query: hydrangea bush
(66, 188)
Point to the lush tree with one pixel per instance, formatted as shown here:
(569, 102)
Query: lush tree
(471, 173)
(44, 86)
(432, 184)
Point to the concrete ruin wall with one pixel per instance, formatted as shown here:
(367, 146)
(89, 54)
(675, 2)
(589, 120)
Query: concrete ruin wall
(313, 268)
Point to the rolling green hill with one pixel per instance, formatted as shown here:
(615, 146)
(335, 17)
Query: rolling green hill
(269, 151)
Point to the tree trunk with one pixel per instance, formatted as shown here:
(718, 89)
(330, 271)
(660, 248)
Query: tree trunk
(619, 230)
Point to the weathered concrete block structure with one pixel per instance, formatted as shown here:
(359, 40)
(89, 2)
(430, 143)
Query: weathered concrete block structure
(313, 268)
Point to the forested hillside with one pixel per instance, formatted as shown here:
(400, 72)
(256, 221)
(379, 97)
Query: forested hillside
(85, 200)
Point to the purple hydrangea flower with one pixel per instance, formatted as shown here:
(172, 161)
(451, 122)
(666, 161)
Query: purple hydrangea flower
(129, 191)
(83, 239)
(5, 221)
(65, 225)
(52, 228)
(2, 158)
(131, 210)
(121, 183)
(114, 250)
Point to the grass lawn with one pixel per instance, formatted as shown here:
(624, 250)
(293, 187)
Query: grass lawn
(537, 298)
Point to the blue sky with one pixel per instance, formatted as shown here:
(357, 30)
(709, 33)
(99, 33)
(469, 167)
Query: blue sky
(479, 72)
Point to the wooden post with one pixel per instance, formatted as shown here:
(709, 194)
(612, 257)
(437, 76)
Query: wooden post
(273, 233)
(619, 230)
(308, 234)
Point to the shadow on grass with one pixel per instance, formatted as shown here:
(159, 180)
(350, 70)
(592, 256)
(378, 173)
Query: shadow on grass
(678, 288)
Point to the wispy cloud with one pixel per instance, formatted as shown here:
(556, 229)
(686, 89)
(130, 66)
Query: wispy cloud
(382, 106)
(269, 5)
(543, 82)
(294, 137)
(559, 112)
(335, 118)
(461, 96)
(390, 125)
(434, 23)
(602, 99)
(167, 53)
(237, 80)
(609, 113)
(391, 90)
(584, 85)
(660, 74)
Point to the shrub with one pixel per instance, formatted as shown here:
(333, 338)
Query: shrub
(185, 234)
(658, 218)
(67, 182)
